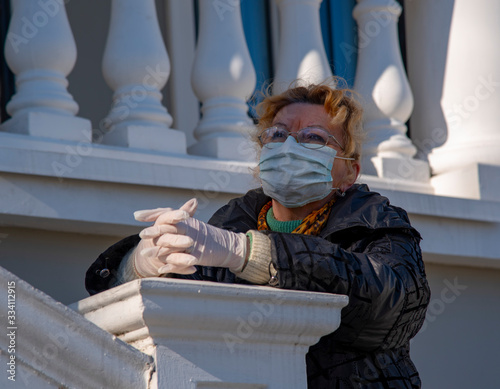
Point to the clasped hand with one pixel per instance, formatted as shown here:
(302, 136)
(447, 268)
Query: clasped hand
(177, 242)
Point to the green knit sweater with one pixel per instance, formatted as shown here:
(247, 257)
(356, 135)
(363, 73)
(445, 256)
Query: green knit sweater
(278, 226)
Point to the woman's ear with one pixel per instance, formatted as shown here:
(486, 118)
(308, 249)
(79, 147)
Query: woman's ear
(354, 169)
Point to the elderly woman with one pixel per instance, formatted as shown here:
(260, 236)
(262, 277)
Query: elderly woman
(309, 227)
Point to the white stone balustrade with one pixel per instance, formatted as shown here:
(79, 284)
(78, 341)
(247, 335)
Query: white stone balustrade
(223, 78)
(136, 66)
(470, 153)
(48, 345)
(212, 335)
(302, 55)
(386, 93)
(40, 50)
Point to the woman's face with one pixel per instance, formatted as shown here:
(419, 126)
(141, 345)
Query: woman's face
(296, 116)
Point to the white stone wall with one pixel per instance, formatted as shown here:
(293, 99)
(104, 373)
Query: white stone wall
(52, 261)
(458, 345)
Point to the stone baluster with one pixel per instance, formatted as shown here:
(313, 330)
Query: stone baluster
(386, 94)
(470, 103)
(302, 55)
(136, 66)
(41, 52)
(223, 78)
(427, 21)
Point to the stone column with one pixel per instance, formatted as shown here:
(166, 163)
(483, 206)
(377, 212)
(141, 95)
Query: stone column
(470, 103)
(41, 51)
(223, 78)
(136, 66)
(212, 335)
(302, 55)
(386, 94)
(427, 33)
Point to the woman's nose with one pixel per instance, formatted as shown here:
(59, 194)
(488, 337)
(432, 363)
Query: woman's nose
(290, 139)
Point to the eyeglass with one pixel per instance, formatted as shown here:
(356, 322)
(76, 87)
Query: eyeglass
(309, 137)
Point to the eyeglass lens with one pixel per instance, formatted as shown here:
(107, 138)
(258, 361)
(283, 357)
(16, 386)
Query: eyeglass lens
(312, 137)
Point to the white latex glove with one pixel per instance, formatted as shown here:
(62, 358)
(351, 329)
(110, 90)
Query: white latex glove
(181, 242)
(146, 256)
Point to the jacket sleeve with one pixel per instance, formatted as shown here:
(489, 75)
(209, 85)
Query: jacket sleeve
(383, 275)
(102, 274)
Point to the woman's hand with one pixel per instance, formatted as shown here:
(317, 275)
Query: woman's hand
(177, 242)
(150, 254)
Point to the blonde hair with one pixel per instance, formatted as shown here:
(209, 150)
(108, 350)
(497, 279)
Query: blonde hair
(341, 104)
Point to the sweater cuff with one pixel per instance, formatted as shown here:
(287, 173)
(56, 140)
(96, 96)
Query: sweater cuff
(256, 270)
(126, 271)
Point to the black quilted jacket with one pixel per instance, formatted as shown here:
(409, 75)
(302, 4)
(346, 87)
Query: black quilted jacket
(368, 251)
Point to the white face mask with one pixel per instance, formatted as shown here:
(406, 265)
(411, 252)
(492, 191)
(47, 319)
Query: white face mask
(294, 175)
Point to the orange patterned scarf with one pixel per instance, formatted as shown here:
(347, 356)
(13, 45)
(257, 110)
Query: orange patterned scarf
(311, 225)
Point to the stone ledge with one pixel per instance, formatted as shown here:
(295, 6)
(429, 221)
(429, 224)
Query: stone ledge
(96, 201)
(90, 206)
(214, 332)
(64, 160)
(474, 181)
(127, 308)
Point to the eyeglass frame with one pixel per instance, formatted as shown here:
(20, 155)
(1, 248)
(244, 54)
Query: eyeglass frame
(296, 138)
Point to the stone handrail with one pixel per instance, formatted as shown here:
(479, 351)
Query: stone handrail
(197, 335)
(205, 334)
(48, 345)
